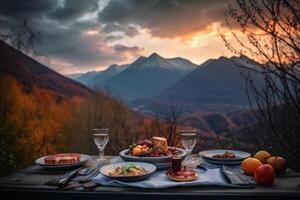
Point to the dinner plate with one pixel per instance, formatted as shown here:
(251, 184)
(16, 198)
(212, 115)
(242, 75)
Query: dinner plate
(41, 162)
(107, 169)
(240, 156)
(162, 162)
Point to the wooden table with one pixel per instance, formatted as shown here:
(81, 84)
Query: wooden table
(30, 184)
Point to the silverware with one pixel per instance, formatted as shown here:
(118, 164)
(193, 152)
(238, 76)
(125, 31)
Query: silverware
(201, 166)
(78, 172)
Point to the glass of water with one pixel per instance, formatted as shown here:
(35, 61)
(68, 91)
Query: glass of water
(189, 140)
(101, 139)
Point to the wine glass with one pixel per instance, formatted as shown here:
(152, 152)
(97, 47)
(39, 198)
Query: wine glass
(189, 140)
(101, 139)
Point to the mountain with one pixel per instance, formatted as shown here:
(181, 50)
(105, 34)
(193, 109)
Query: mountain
(148, 76)
(98, 81)
(216, 85)
(74, 76)
(84, 78)
(30, 73)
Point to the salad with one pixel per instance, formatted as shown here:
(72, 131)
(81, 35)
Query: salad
(128, 170)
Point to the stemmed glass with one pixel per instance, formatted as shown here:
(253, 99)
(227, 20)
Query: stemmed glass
(101, 139)
(189, 140)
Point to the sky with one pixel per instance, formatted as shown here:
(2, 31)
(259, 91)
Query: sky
(85, 35)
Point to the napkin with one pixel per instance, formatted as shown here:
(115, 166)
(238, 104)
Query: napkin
(234, 176)
(159, 180)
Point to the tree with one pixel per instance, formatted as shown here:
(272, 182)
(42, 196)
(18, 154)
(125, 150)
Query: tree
(269, 32)
(170, 114)
(23, 38)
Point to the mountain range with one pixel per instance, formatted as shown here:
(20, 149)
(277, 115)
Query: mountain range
(145, 77)
(30, 74)
(215, 85)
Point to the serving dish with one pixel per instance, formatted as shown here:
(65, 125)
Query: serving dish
(108, 169)
(155, 151)
(161, 162)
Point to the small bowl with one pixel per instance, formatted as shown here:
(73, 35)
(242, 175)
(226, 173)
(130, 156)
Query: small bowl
(107, 169)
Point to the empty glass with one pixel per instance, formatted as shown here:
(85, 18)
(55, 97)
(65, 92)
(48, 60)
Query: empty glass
(189, 140)
(101, 139)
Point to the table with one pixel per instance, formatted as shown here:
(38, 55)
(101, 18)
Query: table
(29, 183)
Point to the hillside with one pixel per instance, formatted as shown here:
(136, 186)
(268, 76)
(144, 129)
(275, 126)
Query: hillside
(30, 73)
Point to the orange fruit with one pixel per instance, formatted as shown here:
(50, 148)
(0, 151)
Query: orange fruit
(249, 165)
(136, 151)
(262, 156)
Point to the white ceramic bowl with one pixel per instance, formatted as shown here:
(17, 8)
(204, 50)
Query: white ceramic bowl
(107, 169)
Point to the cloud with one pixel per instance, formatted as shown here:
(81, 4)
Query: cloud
(73, 9)
(111, 38)
(26, 9)
(84, 34)
(74, 45)
(69, 40)
(135, 51)
(128, 30)
(165, 18)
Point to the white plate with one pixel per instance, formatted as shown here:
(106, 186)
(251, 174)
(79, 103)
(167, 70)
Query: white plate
(107, 169)
(83, 159)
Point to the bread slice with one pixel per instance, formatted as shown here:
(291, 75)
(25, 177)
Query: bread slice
(160, 144)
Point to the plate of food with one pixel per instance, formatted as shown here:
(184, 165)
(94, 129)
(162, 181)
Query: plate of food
(183, 175)
(224, 157)
(155, 151)
(62, 160)
(128, 171)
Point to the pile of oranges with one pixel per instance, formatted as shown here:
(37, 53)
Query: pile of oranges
(264, 167)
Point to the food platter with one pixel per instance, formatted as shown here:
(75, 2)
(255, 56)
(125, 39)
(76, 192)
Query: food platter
(41, 162)
(210, 156)
(160, 162)
(108, 171)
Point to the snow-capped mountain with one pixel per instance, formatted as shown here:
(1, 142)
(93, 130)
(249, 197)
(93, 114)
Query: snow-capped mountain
(148, 76)
(155, 60)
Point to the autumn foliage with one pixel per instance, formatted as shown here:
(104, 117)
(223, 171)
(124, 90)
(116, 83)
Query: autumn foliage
(36, 124)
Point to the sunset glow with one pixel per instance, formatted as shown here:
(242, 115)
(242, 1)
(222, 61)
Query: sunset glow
(101, 33)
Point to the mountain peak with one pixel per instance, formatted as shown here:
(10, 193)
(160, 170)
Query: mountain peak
(154, 55)
(155, 61)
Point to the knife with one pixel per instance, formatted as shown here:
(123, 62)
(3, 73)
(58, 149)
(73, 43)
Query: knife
(63, 182)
